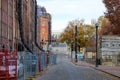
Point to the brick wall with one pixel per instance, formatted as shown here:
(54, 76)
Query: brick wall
(4, 19)
(7, 22)
(43, 28)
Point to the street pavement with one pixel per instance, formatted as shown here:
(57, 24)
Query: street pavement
(66, 70)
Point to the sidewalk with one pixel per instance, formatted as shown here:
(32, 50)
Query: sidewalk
(113, 70)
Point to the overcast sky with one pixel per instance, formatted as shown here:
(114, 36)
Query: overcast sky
(63, 11)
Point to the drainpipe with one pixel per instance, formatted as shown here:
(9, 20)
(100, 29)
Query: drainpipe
(19, 11)
(36, 28)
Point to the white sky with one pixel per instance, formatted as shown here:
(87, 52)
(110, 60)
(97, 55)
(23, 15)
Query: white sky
(63, 11)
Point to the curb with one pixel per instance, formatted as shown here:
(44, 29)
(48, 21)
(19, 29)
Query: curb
(37, 75)
(33, 77)
(106, 72)
(99, 70)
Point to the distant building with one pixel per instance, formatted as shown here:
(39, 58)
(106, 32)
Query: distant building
(49, 28)
(43, 28)
(110, 50)
(45, 25)
(41, 11)
(56, 35)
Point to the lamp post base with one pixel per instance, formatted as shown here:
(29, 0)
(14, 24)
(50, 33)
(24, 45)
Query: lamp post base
(76, 60)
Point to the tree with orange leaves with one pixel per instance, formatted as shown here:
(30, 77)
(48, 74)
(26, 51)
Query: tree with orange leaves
(113, 14)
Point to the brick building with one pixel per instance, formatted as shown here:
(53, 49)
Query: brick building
(31, 23)
(16, 31)
(45, 25)
(6, 23)
(28, 20)
(43, 28)
(9, 25)
(49, 29)
(38, 30)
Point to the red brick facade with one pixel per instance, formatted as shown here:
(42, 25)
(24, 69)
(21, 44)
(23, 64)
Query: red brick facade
(6, 23)
(44, 28)
(9, 26)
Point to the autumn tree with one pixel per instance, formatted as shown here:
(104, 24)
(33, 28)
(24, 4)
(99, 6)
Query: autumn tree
(104, 26)
(84, 33)
(89, 32)
(113, 14)
(68, 35)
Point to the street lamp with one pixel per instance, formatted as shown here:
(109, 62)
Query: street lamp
(76, 43)
(71, 48)
(76, 38)
(96, 25)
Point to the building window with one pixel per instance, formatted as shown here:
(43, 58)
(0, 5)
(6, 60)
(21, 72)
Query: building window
(4, 5)
(4, 17)
(4, 30)
(43, 23)
(10, 10)
(0, 21)
(43, 30)
(0, 4)
(10, 33)
(43, 37)
(10, 21)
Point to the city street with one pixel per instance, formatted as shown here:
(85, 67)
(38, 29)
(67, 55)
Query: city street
(59, 40)
(65, 70)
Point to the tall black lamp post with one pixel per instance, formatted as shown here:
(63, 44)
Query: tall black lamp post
(96, 25)
(71, 48)
(77, 23)
(76, 43)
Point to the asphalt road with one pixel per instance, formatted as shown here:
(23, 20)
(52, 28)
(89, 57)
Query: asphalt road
(65, 70)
